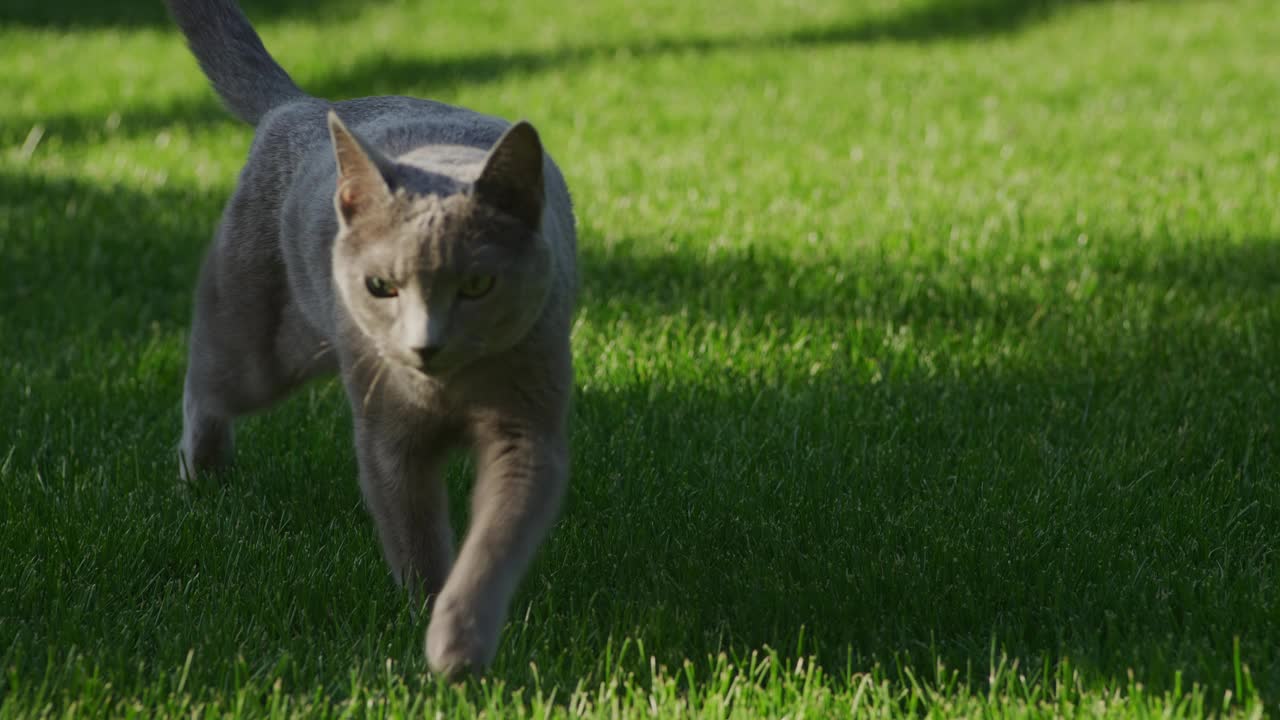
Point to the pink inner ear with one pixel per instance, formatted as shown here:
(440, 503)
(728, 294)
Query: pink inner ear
(348, 196)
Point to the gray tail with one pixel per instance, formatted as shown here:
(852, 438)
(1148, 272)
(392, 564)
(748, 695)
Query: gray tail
(243, 73)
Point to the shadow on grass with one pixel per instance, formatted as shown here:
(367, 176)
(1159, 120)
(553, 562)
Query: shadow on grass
(85, 264)
(1088, 512)
(152, 13)
(938, 20)
(945, 20)
(1106, 492)
(433, 77)
(1108, 496)
(928, 22)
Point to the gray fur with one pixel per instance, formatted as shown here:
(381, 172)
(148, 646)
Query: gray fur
(435, 200)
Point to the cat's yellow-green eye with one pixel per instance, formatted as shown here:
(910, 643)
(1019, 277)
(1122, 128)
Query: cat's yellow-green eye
(380, 288)
(475, 286)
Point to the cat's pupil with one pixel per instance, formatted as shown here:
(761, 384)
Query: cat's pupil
(476, 286)
(379, 288)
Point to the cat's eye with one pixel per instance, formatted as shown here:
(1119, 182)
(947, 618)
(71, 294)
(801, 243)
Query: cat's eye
(380, 288)
(475, 286)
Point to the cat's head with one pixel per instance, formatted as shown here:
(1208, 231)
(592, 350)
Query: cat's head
(438, 280)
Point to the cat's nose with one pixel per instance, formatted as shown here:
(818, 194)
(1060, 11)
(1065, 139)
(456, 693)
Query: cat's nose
(426, 352)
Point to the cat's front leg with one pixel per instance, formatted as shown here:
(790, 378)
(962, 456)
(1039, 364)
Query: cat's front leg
(520, 480)
(403, 487)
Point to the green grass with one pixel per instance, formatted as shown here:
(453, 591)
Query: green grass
(928, 362)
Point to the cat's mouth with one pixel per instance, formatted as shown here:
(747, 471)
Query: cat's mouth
(430, 365)
(434, 368)
(429, 369)
(415, 383)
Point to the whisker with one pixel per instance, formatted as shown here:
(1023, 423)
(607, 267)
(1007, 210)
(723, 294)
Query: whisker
(305, 368)
(373, 385)
(325, 347)
(355, 367)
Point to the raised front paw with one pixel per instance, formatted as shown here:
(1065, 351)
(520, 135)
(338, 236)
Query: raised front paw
(459, 641)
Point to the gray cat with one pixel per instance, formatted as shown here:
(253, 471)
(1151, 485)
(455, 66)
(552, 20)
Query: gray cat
(427, 254)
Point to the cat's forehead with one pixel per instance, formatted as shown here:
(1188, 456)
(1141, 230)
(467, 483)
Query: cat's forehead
(447, 217)
(452, 232)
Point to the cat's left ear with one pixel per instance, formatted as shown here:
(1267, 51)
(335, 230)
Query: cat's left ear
(511, 180)
(363, 172)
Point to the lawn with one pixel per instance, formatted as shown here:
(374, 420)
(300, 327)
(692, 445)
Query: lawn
(928, 360)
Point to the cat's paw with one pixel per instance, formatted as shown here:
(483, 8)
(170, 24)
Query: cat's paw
(459, 642)
(204, 448)
(186, 471)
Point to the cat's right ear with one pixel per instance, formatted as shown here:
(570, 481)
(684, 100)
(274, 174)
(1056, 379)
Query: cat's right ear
(363, 173)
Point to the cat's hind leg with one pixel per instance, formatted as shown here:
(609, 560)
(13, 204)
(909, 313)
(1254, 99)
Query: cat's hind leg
(248, 348)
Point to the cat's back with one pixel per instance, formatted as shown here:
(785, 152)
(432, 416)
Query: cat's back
(393, 124)
(399, 124)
